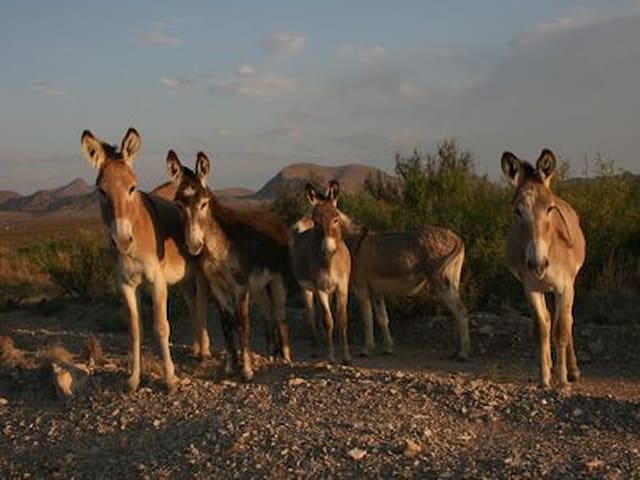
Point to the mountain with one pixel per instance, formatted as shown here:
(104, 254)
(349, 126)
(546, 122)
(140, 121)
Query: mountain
(78, 198)
(50, 200)
(7, 195)
(351, 177)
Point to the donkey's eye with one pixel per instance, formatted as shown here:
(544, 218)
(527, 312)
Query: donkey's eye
(102, 192)
(550, 209)
(132, 189)
(335, 220)
(517, 211)
(203, 205)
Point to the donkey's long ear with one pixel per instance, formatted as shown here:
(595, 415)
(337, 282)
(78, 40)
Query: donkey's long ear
(311, 194)
(333, 192)
(203, 167)
(131, 144)
(92, 149)
(511, 167)
(174, 168)
(546, 166)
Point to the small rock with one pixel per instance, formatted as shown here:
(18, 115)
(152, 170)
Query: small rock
(295, 381)
(357, 453)
(157, 423)
(411, 449)
(595, 464)
(485, 329)
(577, 412)
(3, 401)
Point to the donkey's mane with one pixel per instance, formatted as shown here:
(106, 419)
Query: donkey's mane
(262, 221)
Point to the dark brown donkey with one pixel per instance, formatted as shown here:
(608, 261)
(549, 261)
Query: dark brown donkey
(545, 251)
(241, 254)
(322, 264)
(147, 238)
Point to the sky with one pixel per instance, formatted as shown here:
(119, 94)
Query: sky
(260, 85)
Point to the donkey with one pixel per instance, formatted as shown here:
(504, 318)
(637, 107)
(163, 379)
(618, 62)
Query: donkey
(241, 253)
(147, 240)
(322, 264)
(403, 263)
(545, 251)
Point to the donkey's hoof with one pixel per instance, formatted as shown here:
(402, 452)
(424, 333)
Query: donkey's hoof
(173, 385)
(347, 360)
(247, 374)
(366, 351)
(132, 385)
(574, 376)
(461, 356)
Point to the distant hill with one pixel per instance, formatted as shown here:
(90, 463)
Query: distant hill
(78, 198)
(351, 177)
(7, 195)
(50, 200)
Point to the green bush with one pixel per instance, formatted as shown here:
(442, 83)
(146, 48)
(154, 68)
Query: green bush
(81, 267)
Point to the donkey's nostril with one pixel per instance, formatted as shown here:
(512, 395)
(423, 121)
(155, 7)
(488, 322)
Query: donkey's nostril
(545, 264)
(530, 265)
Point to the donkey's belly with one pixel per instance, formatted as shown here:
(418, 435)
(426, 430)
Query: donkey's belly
(405, 286)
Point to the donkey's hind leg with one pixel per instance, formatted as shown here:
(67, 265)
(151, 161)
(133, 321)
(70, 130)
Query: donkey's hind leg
(382, 318)
(450, 295)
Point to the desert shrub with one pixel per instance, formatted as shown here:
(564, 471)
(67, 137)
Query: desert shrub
(80, 267)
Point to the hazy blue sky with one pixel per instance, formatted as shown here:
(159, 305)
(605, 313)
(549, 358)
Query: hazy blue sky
(262, 84)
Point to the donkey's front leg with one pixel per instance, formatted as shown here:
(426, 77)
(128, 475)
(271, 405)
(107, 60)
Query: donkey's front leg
(539, 309)
(162, 330)
(135, 340)
(242, 315)
(341, 307)
(325, 305)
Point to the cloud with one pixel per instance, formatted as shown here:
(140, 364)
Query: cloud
(159, 38)
(252, 86)
(283, 44)
(545, 30)
(290, 132)
(245, 71)
(362, 52)
(48, 89)
(178, 83)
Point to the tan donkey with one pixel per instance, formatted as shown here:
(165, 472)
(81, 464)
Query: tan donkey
(322, 264)
(545, 251)
(403, 263)
(147, 239)
(240, 253)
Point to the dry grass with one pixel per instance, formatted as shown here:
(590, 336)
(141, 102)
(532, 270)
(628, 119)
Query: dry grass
(10, 356)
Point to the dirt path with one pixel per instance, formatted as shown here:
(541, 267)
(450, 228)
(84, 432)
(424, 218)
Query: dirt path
(413, 414)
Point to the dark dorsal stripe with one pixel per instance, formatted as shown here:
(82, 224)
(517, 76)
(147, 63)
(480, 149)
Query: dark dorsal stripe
(153, 212)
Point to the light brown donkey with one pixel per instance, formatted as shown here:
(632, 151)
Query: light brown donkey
(322, 263)
(240, 253)
(545, 251)
(147, 239)
(403, 263)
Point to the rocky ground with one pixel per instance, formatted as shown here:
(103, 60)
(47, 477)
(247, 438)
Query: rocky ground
(413, 414)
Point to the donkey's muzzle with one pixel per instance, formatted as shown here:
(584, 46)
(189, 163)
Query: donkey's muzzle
(195, 248)
(123, 244)
(538, 268)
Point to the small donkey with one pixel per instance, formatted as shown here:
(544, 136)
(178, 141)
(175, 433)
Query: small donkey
(147, 238)
(241, 254)
(545, 251)
(322, 263)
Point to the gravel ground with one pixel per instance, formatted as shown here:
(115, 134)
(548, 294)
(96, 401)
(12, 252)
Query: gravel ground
(415, 414)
